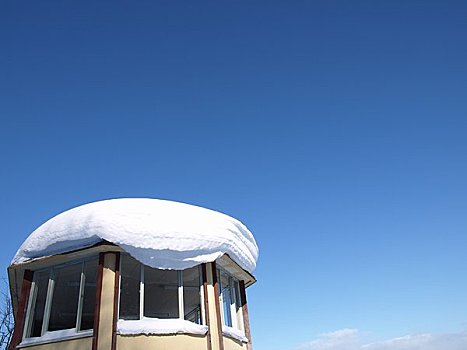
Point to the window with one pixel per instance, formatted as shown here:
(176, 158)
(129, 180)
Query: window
(161, 293)
(229, 299)
(191, 295)
(130, 282)
(62, 297)
(154, 293)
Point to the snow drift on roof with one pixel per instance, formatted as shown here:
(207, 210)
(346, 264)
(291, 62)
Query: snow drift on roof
(159, 233)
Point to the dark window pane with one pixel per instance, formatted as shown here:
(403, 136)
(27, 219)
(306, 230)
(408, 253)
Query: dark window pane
(40, 291)
(237, 297)
(89, 297)
(160, 293)
(191, 296)
(219, 281)
(65, 297)
(129, 289)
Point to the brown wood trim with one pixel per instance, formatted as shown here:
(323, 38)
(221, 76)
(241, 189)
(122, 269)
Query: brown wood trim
(116, 293)
(217, 305)
(97, 308)
(206, 304)
(246, 318)
(22, 309)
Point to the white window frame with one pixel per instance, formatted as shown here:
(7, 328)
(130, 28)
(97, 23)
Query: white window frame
(180, 293)
(49, 297)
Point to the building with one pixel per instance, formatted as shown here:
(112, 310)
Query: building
(134, 273)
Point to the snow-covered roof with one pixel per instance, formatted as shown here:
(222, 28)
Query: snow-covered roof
(159, 233)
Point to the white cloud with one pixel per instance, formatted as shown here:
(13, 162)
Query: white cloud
(351, 339)
(342, 339)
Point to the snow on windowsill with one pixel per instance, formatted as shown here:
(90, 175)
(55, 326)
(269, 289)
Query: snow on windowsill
(55, 336)
(159, 326)
(234, 333)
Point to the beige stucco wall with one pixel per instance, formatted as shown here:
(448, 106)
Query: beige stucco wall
(104, 341)
(72, 344)
(231, 344)
(162, 342)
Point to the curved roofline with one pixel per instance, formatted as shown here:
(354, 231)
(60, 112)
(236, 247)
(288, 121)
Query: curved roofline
(159, 233)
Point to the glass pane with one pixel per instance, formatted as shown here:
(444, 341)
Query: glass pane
(89, 297)
(129, 289)
(40, 290)
(238, 303)
(226, 298)
(191, 294)
(219, 281)
(160, 293)
(65, 297)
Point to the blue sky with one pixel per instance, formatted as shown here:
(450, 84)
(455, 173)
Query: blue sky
(335, 130)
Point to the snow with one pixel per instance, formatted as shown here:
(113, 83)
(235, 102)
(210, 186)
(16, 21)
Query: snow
(159, 326)
(55, 336)
(159, 233)
(234, 333)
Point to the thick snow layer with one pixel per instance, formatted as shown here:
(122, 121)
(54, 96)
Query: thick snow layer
(159, 233)
(234, 333)
(159, 326)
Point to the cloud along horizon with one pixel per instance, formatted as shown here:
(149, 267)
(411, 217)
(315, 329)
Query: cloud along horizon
(351, 339)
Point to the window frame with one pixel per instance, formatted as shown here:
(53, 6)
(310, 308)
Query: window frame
(48, 301)
(236, 316)
(180, 293)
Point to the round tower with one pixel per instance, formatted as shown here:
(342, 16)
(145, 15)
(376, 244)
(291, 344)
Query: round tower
(134, 273)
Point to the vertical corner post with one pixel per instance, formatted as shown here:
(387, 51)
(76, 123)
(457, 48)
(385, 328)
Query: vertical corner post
(246, 319)
(22, 309)
(206, 304)
(97, 307)
(215, 283)
(116, 299)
